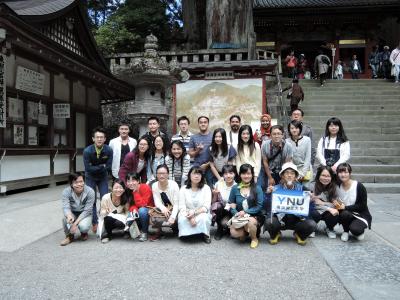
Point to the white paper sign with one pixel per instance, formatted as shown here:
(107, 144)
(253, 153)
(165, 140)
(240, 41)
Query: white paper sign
(19, 134)
(32, 136)
(61, 110)
(291, 202)
(43, 119)
(29, 81)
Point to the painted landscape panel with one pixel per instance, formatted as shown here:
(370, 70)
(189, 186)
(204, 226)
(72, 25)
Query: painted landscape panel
(219, 99)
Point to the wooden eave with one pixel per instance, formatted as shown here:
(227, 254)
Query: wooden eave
(33, 42)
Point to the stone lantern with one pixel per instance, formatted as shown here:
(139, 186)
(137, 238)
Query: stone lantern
(153, 78)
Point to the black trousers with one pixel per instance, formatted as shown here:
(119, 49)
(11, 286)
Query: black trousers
(330, 220)
(351, 223)
(322, 78)
(110, 223)
(220, 215)
(303, 227)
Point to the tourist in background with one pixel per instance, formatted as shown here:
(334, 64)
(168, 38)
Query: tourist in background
(295, 94)
(373, 60)
(321, 66)
(339, 70)
(395, 61)
(384, 61)
(291, 63)
(121, 146)
(302, 66)
(355, 67)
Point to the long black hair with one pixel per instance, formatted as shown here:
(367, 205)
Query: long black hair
(241, 143)
(224, 144)
(195, 170)
(330, 189)
(153, 150)
(252, 199)
(148, 151)
(124, 198)
(180, 144)
(341, 136)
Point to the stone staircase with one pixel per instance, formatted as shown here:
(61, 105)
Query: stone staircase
(370, 113)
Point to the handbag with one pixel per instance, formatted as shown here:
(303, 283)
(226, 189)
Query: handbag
(238, 222)
(156, 215)
(134, 230)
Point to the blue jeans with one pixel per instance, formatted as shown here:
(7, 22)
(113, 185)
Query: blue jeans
(375, 69)
(144, 219)
(397, 73)
(95, 183)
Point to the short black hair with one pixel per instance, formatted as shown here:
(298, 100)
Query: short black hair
(132, 175)
(183, 118)
(198, 119)
(279, 127)
(153, 118)
(124, 123)
(98, 129)
(163, 166)
(74, 176)
(195, 170)
(235, 116)
(300, 110)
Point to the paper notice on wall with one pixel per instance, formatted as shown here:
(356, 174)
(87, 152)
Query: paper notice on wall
(32, 136)
(29, 81)
(18, 134)
(61, 110)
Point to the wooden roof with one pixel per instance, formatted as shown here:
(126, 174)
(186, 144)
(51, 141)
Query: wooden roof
(321, 3)
(37, 7)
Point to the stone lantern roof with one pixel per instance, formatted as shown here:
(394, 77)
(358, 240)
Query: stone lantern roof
(151, 68)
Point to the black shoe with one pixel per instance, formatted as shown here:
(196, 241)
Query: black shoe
(218, 235)
(207, 239)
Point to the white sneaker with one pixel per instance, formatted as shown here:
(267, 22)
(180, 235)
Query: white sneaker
(312, 235)
(331, 234)
(360, 237)
(345, 236)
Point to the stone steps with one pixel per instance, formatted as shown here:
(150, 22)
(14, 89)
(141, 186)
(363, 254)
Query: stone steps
(370, 113)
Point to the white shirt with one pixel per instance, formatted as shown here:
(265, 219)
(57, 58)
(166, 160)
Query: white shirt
(330, 143)
(115, 145)
(172, 192)
(232, 138)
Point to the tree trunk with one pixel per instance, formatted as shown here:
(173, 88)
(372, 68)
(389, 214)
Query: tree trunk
(229, 22)
(194, 21)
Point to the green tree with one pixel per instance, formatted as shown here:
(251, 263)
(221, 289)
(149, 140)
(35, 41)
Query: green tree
(125, 30)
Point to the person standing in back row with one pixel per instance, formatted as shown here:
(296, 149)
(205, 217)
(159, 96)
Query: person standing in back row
(355, 67)
(321, 66)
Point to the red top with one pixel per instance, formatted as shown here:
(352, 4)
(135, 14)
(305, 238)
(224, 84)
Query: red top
(143, 197)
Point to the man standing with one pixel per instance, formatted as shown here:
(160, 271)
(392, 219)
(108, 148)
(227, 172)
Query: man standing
(395, 60)
(199, 144)
(184, 134)
(373, 61)
(321, 66)
(77, 203)
(121, 146)
(232, 135)
(355, 67)
(153, 124)
(98, 160)
(298, 115)
(384, 61)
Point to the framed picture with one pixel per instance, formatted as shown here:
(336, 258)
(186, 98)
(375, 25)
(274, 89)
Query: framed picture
(18, 134)
(220, 99)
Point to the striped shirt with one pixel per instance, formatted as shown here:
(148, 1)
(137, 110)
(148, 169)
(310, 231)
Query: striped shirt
(177, 171)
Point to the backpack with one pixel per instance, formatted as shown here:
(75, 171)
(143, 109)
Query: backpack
(325, 60)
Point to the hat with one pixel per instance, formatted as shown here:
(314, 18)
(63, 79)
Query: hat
(386, 47)
(289, 165)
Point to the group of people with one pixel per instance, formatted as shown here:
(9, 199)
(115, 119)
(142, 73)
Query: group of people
(225, 178)
(384, 64)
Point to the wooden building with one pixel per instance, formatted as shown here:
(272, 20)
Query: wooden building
(349, 26)
(52, 82)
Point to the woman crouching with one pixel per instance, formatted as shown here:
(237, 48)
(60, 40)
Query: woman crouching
(246, 202)
(194, 206)
(302, 226)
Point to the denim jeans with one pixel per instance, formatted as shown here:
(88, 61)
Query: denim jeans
(397, 73)
(375, 69)
(95, 183)
(83, 226)
(144, 219)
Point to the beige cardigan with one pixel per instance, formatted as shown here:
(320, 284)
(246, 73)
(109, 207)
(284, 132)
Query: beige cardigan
(107, 206)
(254, 160)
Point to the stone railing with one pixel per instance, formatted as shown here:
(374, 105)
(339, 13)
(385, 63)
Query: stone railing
(196, 56)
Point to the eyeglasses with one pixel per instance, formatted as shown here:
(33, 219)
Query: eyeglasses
(162, 173)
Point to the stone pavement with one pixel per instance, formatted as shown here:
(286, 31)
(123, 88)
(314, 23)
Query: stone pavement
(34, 266)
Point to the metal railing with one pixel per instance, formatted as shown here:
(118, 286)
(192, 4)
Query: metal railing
(281, 101)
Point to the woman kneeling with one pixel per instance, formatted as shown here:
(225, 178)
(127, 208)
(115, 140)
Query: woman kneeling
(194, 206)
(246, 201)
(302, 226)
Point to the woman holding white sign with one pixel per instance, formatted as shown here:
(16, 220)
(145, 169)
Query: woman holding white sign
(303, 226)
(246, 202)
(325, 193)
(354, 214)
